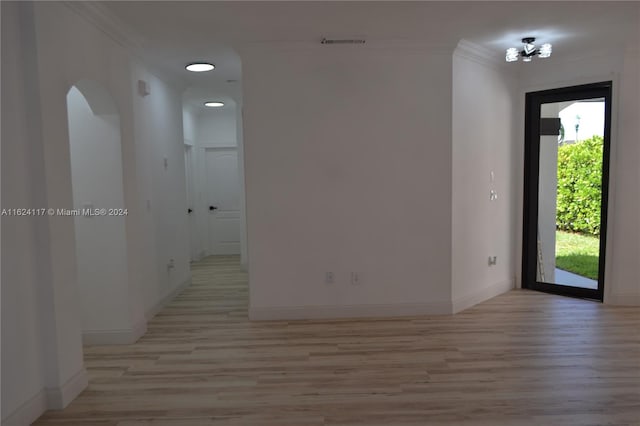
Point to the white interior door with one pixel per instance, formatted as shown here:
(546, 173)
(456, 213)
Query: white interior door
(223, 198)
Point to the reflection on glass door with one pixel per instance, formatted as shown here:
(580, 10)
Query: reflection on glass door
(567, 141)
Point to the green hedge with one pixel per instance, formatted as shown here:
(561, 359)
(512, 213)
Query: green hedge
(580, 186)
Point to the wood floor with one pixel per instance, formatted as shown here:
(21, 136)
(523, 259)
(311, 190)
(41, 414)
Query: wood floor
(523, 358)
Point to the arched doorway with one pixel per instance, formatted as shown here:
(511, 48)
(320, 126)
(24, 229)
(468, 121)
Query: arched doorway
(99, 213)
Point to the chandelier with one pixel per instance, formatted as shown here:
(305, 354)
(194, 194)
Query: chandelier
(529, 50)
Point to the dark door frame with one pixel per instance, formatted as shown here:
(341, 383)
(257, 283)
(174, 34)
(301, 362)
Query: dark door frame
(533, 102)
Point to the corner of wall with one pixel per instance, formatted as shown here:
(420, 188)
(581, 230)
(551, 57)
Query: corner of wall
(55, 398)
(478, 54)
(623, 299)
(125, 336)
(168, 298)
(59, 397)
(474, 297)
(28, 412)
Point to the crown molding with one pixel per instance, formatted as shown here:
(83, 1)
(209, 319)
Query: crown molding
(103, 19)
(479, 54)
(113, 27)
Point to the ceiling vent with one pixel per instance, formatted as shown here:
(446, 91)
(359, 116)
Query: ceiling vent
(342, 41)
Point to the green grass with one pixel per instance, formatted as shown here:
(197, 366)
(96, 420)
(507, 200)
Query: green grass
(577, 253)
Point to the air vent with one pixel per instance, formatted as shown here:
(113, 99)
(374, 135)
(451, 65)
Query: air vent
(342, 41)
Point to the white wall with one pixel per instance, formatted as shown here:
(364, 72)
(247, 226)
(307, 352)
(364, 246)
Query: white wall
(483, 142)
(217, 127)
(189, 123)
(244, 250)
(624, 226)
(101, 256)
(47, 48)
(623, 239)
(23, 375)
(159, 135)
(547, 198)
(347, 155)
(197, 228)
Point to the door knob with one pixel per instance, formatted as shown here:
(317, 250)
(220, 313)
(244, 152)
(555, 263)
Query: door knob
(212, 208)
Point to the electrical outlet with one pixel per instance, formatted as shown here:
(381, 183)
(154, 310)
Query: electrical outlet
(328, 278)
(356, 279)
(493, 260)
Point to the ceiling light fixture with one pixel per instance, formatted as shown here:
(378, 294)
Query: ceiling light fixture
(529, 50)
(343, 41)
(199, 67)
(214, 104)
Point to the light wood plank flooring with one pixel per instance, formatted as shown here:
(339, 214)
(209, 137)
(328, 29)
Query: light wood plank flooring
(523, 358)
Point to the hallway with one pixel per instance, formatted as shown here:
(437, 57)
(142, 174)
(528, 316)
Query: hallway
(522, 358)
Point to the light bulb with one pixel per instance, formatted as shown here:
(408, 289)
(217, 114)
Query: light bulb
(545, 50)
(511, 55)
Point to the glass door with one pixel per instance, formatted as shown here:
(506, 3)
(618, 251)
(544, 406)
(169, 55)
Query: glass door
(567, 134)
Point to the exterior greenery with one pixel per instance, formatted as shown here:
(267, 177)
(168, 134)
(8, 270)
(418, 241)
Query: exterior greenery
(578, 253)
(580, 186)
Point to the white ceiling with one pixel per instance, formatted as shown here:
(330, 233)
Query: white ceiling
(174, 33)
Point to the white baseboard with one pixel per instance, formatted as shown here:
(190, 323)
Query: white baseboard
(47, 399)
(168, 298)
(198, 257)
(473, 298)
(623, 299)
(125, 336)
(128, 336)
(28, 412)
(59, 398)
(348, 311)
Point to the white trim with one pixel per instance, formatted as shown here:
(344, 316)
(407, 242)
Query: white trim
(28, 412)
(218, 146)
(59, 397)
(152, 312)
(125, 336)
(199, 256)
(122, 34)
(349, 311)
(480, 55)
(623, 299)
(48, 399)
(111, 25)
(474, 297)
(202, 254)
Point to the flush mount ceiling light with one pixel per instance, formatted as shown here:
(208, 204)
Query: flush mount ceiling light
(199, 67)
(529, 50)
(214, 104)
